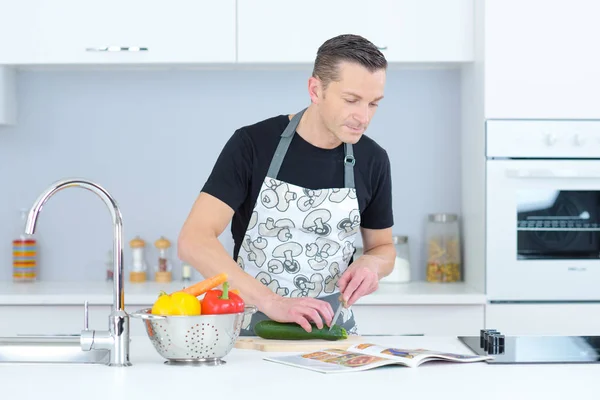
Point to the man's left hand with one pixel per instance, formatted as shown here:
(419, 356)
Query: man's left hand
(360, 279)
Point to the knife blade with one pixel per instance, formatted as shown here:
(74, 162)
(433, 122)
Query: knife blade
(336, 315)
(337, 312)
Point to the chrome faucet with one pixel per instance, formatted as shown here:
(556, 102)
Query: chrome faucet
(116, 339)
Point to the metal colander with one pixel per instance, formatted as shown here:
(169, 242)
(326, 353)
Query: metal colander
(189, 340)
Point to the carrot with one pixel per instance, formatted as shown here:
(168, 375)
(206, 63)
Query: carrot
(205, 285)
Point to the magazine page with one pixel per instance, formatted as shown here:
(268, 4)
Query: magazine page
(333, 360)
(414, 357)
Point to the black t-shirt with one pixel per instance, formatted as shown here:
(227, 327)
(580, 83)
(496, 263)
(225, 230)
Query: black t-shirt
(242, 166)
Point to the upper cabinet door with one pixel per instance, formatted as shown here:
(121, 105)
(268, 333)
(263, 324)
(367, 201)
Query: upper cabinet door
(405, 30)
(87, 32)
(542, 59)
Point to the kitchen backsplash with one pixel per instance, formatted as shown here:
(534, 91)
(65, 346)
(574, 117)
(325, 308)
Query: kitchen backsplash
(151, 138)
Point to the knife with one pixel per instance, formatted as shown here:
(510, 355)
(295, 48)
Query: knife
(337, 312)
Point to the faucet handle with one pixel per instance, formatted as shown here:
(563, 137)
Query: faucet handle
(87, 337)
(86, 316)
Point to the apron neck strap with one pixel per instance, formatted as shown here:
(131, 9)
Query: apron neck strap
(349, 162)
(286, 140)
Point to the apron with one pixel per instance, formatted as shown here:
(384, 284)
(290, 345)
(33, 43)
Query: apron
(299, 241)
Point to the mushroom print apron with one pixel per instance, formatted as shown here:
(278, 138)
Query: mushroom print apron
(299, 241)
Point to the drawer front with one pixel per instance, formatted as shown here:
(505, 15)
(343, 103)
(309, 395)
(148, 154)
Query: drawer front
(544, 319)
(438, 320)
(435, 320)
(67, 319)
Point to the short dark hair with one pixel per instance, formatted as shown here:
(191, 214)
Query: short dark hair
(347, 47)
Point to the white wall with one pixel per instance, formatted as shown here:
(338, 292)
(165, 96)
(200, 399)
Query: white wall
(151, 138)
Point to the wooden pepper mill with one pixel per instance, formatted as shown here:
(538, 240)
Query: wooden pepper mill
(137, 274)
(164, 267)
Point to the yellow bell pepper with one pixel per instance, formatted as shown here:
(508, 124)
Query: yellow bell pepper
(177, 303)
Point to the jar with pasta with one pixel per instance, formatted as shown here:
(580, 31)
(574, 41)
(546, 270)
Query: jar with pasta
(443, 248)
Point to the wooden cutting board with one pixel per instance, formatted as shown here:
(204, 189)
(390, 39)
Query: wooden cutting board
(260, 344)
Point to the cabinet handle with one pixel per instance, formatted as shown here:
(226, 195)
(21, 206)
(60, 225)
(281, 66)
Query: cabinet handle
(382, 48)
(551, 173)
(133, 49)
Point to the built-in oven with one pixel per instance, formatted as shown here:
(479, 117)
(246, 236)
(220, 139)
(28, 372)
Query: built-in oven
(542, 210)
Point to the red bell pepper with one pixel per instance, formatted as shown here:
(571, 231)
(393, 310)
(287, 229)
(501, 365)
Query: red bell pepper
(222, 301)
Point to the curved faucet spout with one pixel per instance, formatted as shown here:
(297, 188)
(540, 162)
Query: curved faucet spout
(118, 339)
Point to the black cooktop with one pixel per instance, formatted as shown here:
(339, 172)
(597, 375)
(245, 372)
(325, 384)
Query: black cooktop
(534, 349)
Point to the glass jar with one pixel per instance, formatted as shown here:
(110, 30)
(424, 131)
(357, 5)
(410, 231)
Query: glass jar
(443, 248)
(401, 271)
(164, 265)
(138, 269)
(24, 253)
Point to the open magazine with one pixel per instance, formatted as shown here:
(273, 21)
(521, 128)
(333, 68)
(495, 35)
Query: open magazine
(366, 356)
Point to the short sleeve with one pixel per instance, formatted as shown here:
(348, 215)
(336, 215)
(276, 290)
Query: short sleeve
(229, 180)
(378, 213)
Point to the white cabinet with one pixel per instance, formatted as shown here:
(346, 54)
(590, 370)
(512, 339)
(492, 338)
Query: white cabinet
(79, 32)
(8, 96)
(542, 59)
(73, 32)
(544, 319)
(438, 320)
(60, 320)
(271, 31)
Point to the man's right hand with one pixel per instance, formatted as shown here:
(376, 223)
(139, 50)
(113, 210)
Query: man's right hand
(301, 310)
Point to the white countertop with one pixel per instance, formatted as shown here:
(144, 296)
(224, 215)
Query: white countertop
(75, 293)
(247, 376)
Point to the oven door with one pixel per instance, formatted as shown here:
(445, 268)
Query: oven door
(542, 233)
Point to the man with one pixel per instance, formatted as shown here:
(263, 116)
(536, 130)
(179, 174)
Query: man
(297, 190)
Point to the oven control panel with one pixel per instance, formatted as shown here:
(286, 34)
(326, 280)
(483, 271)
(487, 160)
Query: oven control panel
(543, 138)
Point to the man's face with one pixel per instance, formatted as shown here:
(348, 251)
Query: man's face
(347, 106)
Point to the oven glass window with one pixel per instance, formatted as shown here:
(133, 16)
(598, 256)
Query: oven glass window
(558, 224)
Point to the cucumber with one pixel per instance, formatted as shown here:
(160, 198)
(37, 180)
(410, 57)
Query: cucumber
(268, 329)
